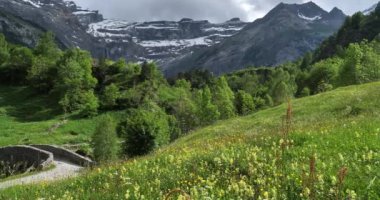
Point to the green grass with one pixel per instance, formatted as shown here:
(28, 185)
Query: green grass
(241, 158)
(25, 118)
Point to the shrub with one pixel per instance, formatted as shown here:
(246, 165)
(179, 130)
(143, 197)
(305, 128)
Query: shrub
(144, 129)
(105, 141)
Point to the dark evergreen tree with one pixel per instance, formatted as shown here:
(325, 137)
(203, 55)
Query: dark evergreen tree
(4, 50)
(104, 140)
(223, 98)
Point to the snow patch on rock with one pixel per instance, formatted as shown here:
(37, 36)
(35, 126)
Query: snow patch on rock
(318, 17)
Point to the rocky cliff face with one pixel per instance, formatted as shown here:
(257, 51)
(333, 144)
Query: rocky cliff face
(164, 41)
(23, 21)
(284, 34)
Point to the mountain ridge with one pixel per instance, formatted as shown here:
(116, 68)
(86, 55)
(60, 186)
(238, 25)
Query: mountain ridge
(286, 33)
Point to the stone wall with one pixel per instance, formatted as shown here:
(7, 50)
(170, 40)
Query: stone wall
(35, 157)
(66, 155)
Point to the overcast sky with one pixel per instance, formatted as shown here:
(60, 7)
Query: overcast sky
(213, 10)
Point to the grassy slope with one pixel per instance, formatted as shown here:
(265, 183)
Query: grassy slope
(241, 158)
(26, 118)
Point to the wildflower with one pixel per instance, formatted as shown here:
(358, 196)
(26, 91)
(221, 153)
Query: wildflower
(266, 195)
(306, 192)
(351, 194)
(341, 157)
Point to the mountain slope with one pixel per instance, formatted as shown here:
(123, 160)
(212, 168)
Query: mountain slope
(23, 22)
(284, 34)
(359, 27)
(164, 41)
(238, 158)
(370, 10)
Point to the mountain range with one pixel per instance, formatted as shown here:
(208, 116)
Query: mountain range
(164, 41)
(286, 33)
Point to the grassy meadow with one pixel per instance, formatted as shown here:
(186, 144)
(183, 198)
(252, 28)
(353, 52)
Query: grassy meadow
(332, 151)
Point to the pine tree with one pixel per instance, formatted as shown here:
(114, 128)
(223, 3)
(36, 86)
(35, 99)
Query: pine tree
(282, 86)
(105, 141)
(349, 74)
(224, 98)
(280, 93)
(207, 112)
(306, 62)
(184, 108)
(4, 50)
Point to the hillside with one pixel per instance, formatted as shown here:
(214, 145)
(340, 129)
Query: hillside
(334, 153)
(29, 118)
(286, 33)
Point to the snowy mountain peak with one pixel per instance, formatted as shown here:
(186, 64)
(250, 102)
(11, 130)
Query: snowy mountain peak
(165, 40)
(307, 11)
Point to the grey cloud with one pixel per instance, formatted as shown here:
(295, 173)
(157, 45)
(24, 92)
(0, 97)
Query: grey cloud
(213, 10)
(142, 10)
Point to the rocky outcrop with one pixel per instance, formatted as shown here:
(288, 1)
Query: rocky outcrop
(23, 21)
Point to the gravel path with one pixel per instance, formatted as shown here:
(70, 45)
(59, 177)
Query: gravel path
(61, 171)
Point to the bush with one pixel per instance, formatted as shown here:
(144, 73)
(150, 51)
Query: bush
(325, 72)
(105, 141)
(83, 101)
(144, 129)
